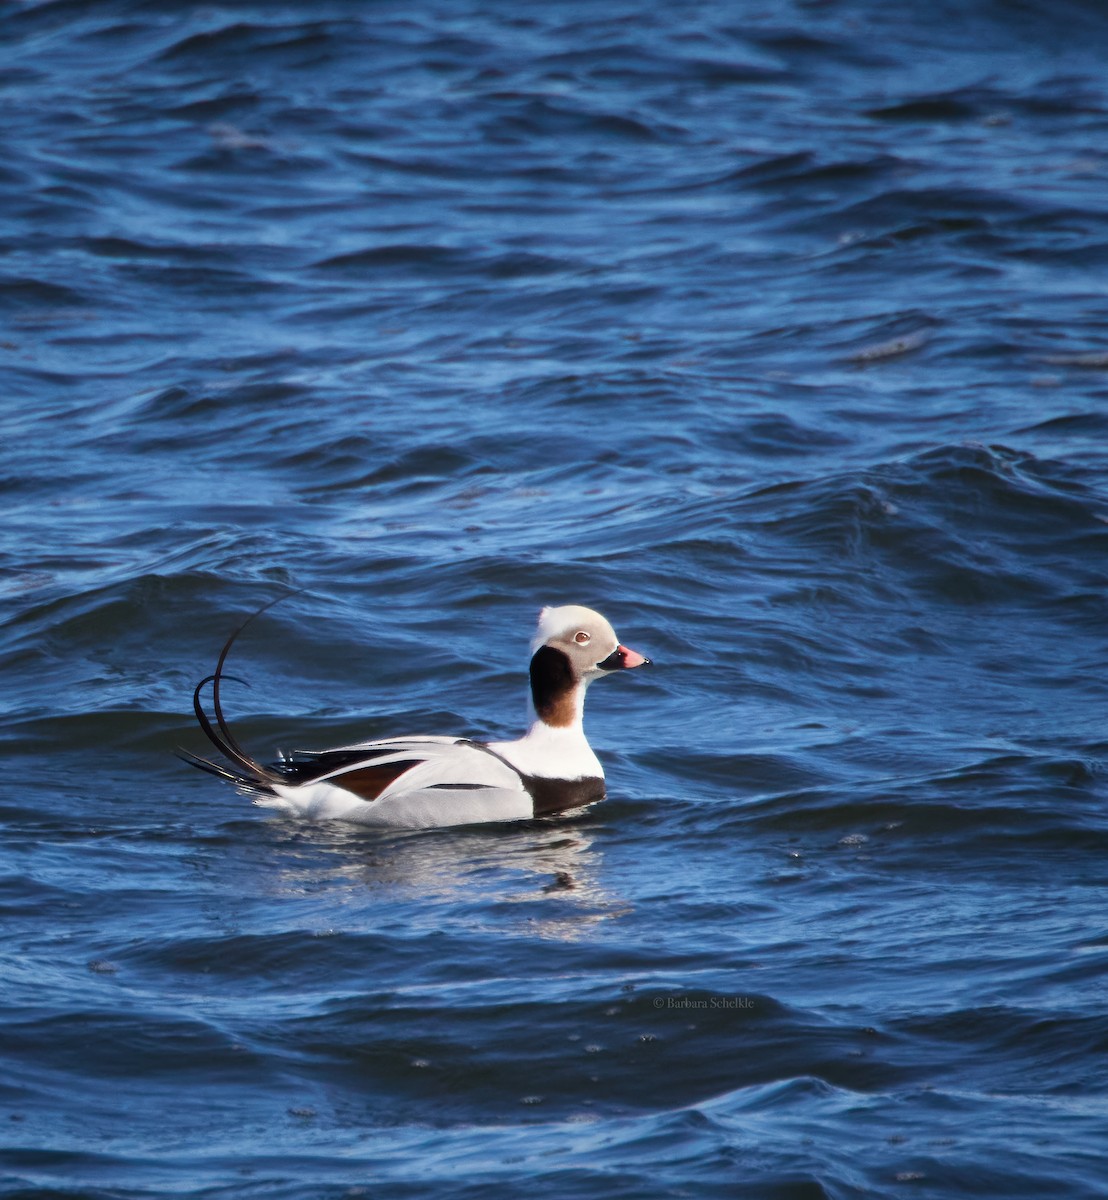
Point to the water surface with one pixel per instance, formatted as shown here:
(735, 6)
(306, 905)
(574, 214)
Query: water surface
(776, 332)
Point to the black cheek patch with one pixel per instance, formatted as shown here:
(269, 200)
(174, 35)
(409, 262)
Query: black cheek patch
(552, 685)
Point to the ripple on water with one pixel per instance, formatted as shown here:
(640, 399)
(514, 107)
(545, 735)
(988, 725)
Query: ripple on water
(727, 320)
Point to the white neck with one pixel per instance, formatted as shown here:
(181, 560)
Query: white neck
(553, 752)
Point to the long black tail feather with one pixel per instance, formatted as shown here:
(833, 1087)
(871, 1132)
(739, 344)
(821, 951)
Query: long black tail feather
(241, 780)
(251, 774)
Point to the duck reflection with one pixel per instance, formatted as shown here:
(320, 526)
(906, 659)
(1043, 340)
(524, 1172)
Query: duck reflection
(545, 874)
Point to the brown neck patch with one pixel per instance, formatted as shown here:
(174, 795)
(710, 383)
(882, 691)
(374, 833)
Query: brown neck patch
(552, 686)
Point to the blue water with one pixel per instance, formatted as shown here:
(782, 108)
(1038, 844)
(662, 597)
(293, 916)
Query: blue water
(777, 332)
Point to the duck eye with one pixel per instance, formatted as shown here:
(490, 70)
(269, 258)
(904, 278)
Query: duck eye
(582, 638)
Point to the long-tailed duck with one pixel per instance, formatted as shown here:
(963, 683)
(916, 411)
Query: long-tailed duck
(424, 782)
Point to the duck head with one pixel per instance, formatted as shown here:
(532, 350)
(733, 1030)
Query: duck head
(573, 646)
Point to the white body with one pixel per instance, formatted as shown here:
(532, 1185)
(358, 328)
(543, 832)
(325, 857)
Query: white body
(426, 782)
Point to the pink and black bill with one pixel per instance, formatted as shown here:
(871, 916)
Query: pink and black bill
(622, 658)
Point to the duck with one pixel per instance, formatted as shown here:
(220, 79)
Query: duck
(424, 782)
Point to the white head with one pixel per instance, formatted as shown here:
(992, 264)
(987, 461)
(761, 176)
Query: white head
(572, 646)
